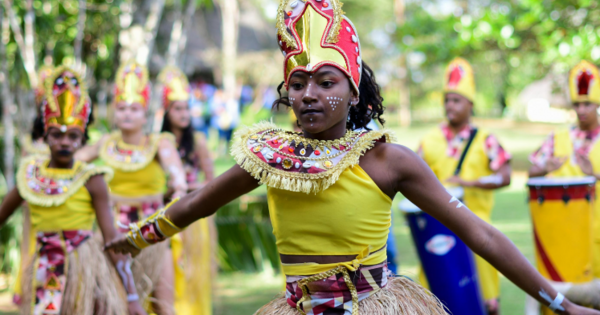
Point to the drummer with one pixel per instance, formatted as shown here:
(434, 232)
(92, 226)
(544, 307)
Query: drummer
(575, 152)
(485, 166)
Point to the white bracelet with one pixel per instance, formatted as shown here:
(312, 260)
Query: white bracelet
(132, 297)
(554, 304)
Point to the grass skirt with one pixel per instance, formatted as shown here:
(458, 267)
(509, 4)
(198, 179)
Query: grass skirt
(147, 268)
(92, 286)
(401, 296)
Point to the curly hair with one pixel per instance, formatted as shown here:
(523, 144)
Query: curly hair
(369, 107)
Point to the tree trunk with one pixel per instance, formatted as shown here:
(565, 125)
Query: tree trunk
(190, 10)
(151, 27)
(77, 45)
(175, 33)
(7, 105)
(404, 97)
(25, 44)
(230, 19)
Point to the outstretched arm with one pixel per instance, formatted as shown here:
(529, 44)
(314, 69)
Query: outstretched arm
(11, 202)
(90, 152)
(99, 193)
(418, 183)
(198, 204)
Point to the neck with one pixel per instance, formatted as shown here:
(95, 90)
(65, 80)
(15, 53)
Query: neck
(589, 126)
(132, 137)
(56, 164)
(457, 127)
(336, 132)
(178, 133)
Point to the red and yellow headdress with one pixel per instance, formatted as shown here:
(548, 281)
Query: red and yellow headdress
(67, 104)
(175, 85)
(132, 84)
(584, 83)
(315, 33)
(460, 79)
(39, 91)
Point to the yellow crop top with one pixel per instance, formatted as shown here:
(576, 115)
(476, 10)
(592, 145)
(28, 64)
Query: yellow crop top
(58, 199)
(320, 200)
(137, 172)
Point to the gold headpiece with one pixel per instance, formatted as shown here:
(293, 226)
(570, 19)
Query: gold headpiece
(460, 79)
(175, 85)
(132, 84)
(584, 83)
(67, 104)
(315, 33)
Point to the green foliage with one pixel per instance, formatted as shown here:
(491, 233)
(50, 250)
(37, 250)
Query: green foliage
(510, 43)
(246, 241)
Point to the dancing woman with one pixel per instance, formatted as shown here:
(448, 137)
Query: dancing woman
(193, 252)
(140, 161)
(330, 188)
(68, 272)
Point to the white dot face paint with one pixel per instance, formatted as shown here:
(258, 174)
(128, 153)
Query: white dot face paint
(458, 203)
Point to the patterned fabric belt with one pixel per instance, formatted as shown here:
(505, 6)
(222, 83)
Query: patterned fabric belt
(133, 210)
(335, 292)
(50, 268)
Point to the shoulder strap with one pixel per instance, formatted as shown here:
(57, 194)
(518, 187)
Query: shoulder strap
(465, 150)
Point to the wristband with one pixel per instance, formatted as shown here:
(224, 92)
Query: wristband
(554, 304)
(156, 228)
(132, 297)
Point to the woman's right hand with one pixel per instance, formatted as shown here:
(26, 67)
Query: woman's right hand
(121, 245)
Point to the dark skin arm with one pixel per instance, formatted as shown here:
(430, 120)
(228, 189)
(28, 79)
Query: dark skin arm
(552, 165)
(98, 190)
(397, 169)
(11, 202)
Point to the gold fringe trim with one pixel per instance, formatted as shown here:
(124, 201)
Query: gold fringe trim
(298, 182)
(334, 33)
(401, 296)
(92, 284)
(43, 200)
(149, 152)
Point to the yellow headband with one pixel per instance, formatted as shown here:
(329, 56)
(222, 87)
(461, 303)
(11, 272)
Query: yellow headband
(584, 83)
(460, 79)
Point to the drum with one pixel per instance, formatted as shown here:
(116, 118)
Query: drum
(448, 263)
(561, 212)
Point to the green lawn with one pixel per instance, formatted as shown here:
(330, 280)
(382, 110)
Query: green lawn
(241, 294)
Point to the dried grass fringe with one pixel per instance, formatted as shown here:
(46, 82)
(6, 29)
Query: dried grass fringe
(92, 285)
(146, 269)
(298, 182)
(401, 296)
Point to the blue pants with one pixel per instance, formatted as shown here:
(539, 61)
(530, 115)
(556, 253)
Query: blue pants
(392, 252)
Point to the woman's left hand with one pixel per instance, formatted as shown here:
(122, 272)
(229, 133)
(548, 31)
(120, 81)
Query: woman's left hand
(573, 309)
(121, 245)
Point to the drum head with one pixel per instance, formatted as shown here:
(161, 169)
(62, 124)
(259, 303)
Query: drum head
(560, 181)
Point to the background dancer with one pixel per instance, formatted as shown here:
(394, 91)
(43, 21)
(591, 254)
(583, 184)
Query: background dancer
(140, 162)
(67, 272)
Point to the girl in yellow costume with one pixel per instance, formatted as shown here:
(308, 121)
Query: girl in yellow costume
(32, 144)
(193, 252)
(330, 187)
(68, 273)
(485, 168)
(575, 152)
(140, 162)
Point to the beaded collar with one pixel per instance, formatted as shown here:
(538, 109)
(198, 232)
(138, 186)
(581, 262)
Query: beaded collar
(43, 186)
(286, 160)
(128, 157)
